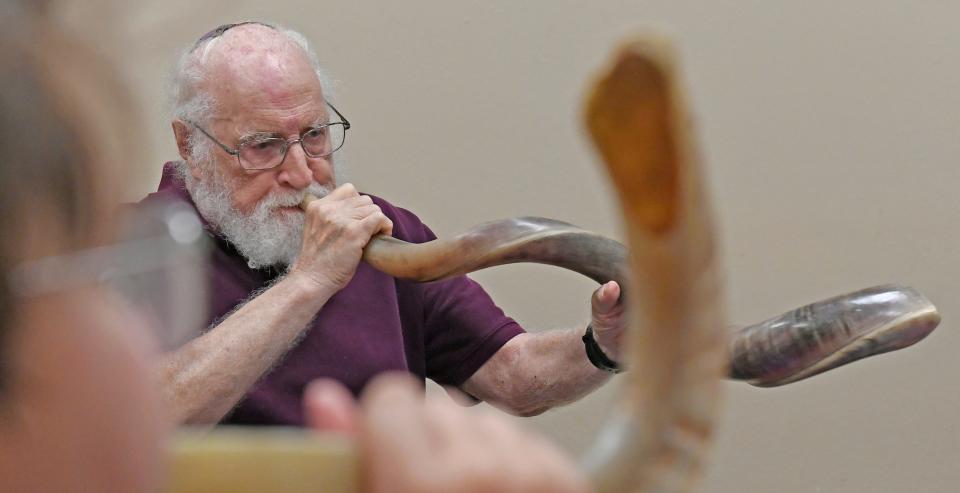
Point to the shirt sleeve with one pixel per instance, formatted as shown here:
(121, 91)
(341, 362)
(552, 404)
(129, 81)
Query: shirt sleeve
(463, 329)
(462, 326)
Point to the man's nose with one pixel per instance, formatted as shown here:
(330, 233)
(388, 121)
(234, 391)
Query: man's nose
(295, 170)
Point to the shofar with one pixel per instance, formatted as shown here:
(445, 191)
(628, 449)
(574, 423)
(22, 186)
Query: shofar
(793, 346)
(677, 347)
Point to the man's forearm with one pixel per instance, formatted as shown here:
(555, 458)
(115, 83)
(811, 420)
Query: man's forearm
(535, 372)
(205, 378)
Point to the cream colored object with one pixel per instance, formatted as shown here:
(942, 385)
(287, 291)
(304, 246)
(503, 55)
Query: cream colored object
(260, 460)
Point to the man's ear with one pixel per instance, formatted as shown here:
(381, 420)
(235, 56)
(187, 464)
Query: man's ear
(182, 135)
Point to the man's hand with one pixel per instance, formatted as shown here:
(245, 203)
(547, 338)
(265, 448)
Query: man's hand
(337, 228)
(205, 378)
(608, 319)
(409, 444)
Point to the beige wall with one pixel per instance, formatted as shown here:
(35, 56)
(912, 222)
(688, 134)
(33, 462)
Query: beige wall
(831, 132)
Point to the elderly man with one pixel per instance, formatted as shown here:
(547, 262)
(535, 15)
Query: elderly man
(291, 300)
(78, 408)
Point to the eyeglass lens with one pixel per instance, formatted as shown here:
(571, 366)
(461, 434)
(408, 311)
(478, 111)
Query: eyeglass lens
(317, 142)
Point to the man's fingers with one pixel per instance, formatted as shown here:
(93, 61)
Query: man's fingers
(377, 223)
(608, 318)
(364, 211)
(605, 298)
(393, 423)
(396, 449)
(329, 406)
(344, 191)
(358, 201)
(430, 445)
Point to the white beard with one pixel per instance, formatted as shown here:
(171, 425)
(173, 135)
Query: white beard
(266, 236)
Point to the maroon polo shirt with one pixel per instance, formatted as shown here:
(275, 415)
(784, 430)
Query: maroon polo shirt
(442, 330)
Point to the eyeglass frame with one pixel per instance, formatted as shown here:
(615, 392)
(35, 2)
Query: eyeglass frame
(286, 143)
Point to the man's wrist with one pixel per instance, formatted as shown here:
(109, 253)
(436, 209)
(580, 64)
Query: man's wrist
(610, 348)
(596, 354)
(309, 285)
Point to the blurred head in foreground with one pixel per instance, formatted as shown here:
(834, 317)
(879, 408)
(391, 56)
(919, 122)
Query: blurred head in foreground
(77, 410)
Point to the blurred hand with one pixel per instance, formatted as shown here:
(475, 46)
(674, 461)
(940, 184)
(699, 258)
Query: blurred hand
(411, 444)
(337, 228)
(608, 319)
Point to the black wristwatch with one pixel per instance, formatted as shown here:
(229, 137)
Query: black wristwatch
(596, 355)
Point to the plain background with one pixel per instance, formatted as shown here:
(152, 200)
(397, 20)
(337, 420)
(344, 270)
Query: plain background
(830, 131)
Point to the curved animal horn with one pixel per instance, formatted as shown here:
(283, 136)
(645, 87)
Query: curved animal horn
(796, 345)
(676, 344)
(830, 333)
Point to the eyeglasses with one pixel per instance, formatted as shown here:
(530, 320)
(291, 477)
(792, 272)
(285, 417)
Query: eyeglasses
(263, 152)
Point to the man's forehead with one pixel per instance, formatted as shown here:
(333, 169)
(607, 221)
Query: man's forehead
(256, 123)
(245, 38)
(261, 66)
(248, 71)
(253, 53)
